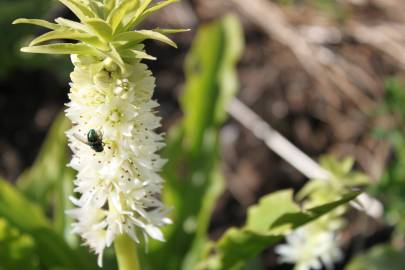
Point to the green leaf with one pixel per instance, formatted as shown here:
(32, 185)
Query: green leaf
(136, 17)
(109, 5)
(62, 48)
(49, 166)
(382, 257)
(73, 25)
(170, 31)
(236, 246)
(38, 22)
(261, 216)
(143, 12)
(116, 57)
(99, 28)
(28, 217)
(135, 37)
(79, 9)
(49, 181)
(17, 250)
(118, 13)
(136, 54)
(66, 34)
(191, 168)
(209, 67)
(18, 211)
(157, 7)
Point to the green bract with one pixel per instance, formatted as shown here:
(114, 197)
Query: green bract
(105, 30)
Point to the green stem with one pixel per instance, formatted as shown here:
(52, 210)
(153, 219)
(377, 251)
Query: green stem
(125, 250)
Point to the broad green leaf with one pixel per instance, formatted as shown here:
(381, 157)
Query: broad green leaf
(236, 246)
(228, 77)
(17, 250)
(41, 182)
(212, 194)
(209, 67)
(19, 211)
(49, 166)
(382, 257)
(118, 13)
(28, 218)
(261, 216)
(38, 22)
(63, 191)
(66, 34)
(134, 37)
(198, 172)
(99, 28)
(61, 48)
(80, 10)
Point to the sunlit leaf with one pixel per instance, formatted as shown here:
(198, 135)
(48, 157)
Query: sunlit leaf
(280, 215)
(37, 22)
(170, 31)
(61, 48)
(118, 13)
(99, 28)
(65, 34)
(130, 54)
(137, 16)
(79, 9)
(143, 12)
(157, 7)
(73, 25)
(134, 37)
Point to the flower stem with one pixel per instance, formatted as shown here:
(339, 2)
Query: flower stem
(126, 253)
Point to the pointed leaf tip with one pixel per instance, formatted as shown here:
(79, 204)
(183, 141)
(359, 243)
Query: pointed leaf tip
(36, 22)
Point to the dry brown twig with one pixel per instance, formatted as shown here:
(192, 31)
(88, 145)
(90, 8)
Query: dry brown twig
(294, 156)
(383, 37)
(327, 72)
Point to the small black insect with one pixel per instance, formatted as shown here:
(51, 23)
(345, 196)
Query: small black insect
(94, 140)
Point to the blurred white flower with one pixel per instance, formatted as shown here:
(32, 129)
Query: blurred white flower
(310, 247)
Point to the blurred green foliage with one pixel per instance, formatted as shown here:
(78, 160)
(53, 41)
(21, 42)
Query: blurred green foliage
(17, 250)
(268, 222)
(13, 37)
(381, 257)
(193, 176)
(391, 187)
(35, 210)
(343, 179)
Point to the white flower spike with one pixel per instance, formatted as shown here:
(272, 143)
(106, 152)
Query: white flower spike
(120, 185)
(113, 138)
